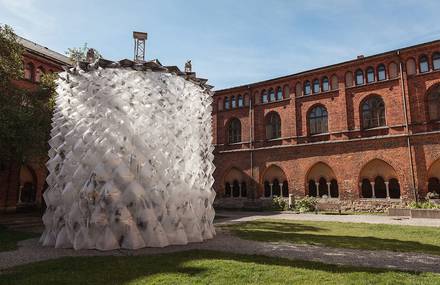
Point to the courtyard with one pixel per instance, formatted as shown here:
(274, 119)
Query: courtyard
(249, 248)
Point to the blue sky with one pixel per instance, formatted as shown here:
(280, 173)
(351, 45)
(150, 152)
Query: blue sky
(230, 42)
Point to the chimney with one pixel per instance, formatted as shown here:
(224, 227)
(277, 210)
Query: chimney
(360, 56)
(139, 46)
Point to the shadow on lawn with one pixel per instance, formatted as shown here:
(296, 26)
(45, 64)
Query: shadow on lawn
(295, 233)
(122, 269)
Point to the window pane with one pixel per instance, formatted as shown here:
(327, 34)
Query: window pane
(240, 101)
(226, 103)
(271, 95)
(424, 64)
(307, 88)
(381, 75)
(370, 75)
(233, 103)
(264, 97)
(436, 61)
(359, 77)
(325, 85)
(279, 94)
(316, 86)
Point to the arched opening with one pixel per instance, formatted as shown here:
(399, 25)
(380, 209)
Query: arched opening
(322, 181)
(423, 64)
(286, 91)
(29, 71)
(234, 131)
(370, 75)
(381, 72)
(393, 71)
(433, 100)
(233, 102)
(271, 95)
(275, 182)
(235, 184)
(316, 86)
(240, 101)
(226, 103)
(325, 84)
(264, 98)
(359, 77)
(379, 180)
(39, 73)
(436, 61)
(273, 126)
(298, 90)
(220, 104)
(411, 66)
(373, 112)
(279, 94)
(318, 120)
(434, 178)
(307, 88)
(335, 82)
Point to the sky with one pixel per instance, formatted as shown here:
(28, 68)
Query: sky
(230, 42)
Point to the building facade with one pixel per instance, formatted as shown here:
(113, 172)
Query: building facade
(364, 134)
(23, 186)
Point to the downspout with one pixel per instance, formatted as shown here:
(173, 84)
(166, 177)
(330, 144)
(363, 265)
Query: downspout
(408, 141)
(251, 122)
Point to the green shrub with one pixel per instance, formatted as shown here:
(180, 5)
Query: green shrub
(306, 204)
(424, 205)
(280, 204)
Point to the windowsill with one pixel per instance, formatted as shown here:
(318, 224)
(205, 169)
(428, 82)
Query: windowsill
(375, 129)
(319, 135)
(317, 94)
(233, 109)
(372, 83)
(274, 140)
(273, 102)
(425, 73)
(237, 143)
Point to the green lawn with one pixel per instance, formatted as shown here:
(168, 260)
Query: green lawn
(9, 238)
(202, 267)
(342, 235)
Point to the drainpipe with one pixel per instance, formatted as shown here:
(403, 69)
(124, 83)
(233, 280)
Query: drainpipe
(408, 141)
(251, 124)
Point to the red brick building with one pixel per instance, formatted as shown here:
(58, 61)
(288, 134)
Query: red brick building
(364, 134)
(23, 187)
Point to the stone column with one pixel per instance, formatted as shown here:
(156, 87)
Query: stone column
(290, 200)
(271, 190)
(19, 194)
(328, 189)
(387, 186)
(317, 189)
(373, 190)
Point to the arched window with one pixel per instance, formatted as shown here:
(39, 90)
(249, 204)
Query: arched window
(325, 84)
(298, 90)
(434, 104)
(235, 189)
(29, 71)
(370, 75)
(423, 64)
(394, 188)
(373, 113)
(285, 189)
(411, 66)
(316, 87)
(434, 185)
(381, 72)
(243, 189)
(322, 187)
(228, 190)
(318, 120)
(39, 73)
(392, 70)
(279, 94)
(334, 82)
(267, 190)
(276, 188)
(307, 88)
(367, 190)
(226, 103)
(273, 126)
(286, 91)
(271, 95)
(233, 103)
(240, 101)
(349, 79)
(359, 77)
(234, 131)
(380, 189)
(264, 98)
(334, 189)
(312, 188)
(436, 61)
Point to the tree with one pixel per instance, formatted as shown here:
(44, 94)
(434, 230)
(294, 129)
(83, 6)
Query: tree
(80, 54)
(25, 116)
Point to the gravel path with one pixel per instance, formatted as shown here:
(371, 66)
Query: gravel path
(30, 251)
(236, 216)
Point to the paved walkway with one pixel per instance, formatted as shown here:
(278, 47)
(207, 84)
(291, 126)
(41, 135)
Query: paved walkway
(31, 251)
(236, 216)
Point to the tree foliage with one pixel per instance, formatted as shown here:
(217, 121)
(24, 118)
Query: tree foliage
(25, 115)
(80, 53)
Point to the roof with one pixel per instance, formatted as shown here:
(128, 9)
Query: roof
(44, 51)
(151, 65)
(360, 59)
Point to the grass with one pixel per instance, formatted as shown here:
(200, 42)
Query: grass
(9, 238)
(202, 267)
(342, 235)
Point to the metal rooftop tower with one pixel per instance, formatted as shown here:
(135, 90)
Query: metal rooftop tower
(139, 45)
